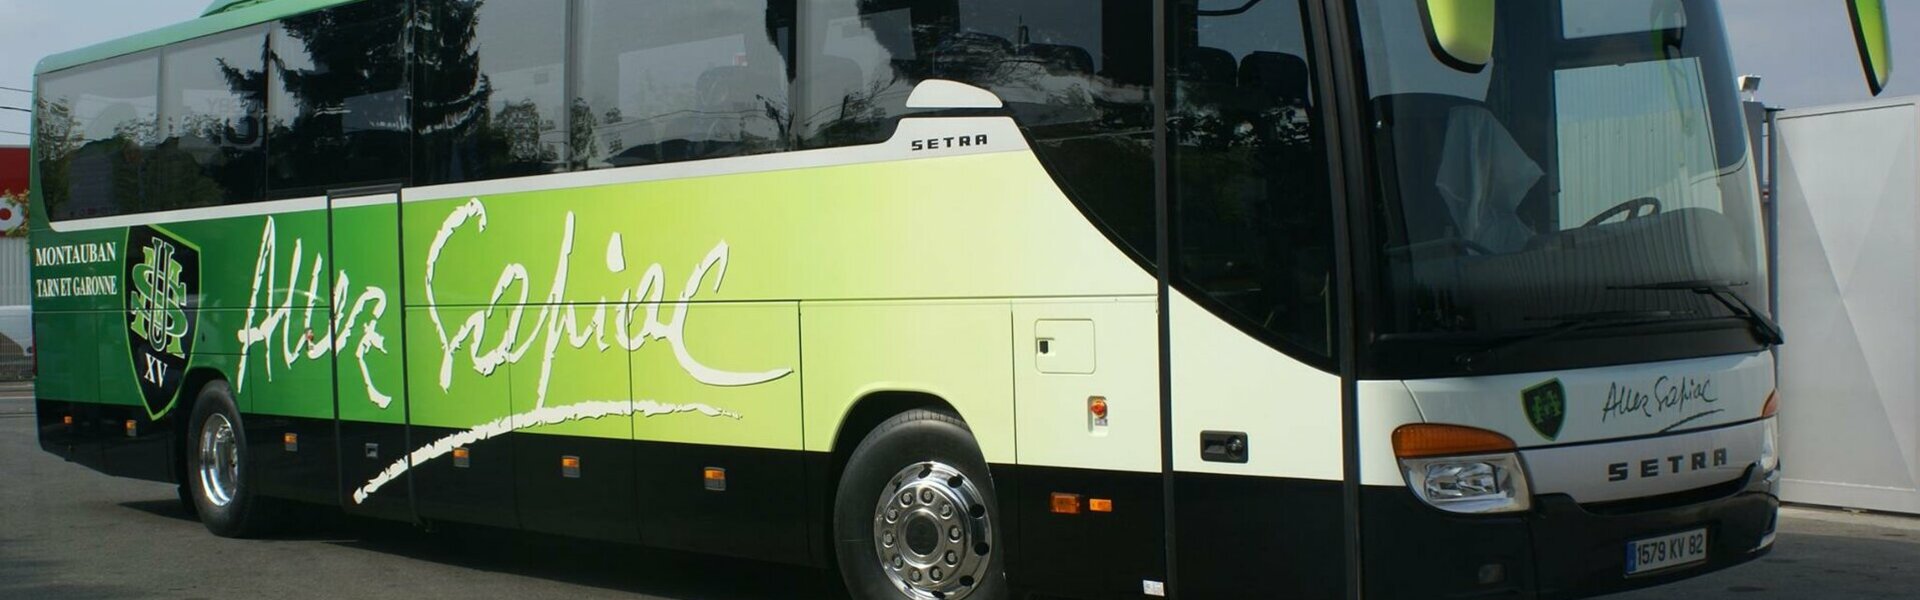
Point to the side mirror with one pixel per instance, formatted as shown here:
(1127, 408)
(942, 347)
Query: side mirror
(1876, 49)
(1460, 32)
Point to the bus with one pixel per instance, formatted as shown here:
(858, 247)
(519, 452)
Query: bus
(966, 299)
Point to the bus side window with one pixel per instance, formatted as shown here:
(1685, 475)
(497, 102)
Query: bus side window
(338, 99)
(213, 95)
(489, 90)
(97, 124)
(668, 80)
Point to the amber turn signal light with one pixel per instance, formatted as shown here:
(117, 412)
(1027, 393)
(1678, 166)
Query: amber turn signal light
(1772, 406)
(1100, 505)
(1066, 504)
(1422, 440)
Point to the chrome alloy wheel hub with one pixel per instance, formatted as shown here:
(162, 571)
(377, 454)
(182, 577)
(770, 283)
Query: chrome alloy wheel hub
(932, 532)
(219, 460)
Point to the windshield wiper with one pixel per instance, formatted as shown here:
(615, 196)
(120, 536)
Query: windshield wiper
(1722, 291)
(1568, 324)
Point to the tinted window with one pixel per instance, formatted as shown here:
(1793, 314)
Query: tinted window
(339, 99)
(490, 99)
(668, 80)
(1254, 214)
(1076, 74)
(212, 98)
(97, 126)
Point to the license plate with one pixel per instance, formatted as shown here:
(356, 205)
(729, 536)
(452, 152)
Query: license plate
(1666, 552)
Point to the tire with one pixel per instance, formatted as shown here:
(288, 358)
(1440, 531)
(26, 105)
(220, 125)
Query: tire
(223, 498)
(914, 482)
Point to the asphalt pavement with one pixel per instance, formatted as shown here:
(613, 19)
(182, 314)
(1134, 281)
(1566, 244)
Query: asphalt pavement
(67, 532)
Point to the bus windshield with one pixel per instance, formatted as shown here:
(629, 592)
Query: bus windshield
(1594, 174)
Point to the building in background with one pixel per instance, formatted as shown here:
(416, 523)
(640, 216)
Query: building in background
(1849, 179)
(16, 322)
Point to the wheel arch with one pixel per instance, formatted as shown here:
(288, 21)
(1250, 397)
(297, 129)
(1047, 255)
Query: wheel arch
(874, 408)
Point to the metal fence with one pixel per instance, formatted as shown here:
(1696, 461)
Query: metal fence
(16, 316)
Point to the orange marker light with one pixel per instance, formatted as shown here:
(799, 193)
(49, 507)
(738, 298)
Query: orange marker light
(715, 474)
(1100, 505)
(291, 438)
(133, 428)
(1066, 504)
(464, 453)
(570, 462)
(66, 420)
(1422, 440)
(1772, 406)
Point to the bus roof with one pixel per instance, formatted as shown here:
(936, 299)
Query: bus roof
(222, 15)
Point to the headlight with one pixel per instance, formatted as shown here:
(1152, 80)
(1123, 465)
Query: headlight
(1485, 484)
(1770, 446)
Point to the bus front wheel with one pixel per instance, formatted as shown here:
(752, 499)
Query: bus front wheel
(217, 460)
(914, 514)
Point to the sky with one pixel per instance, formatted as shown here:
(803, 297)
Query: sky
(1802, 48)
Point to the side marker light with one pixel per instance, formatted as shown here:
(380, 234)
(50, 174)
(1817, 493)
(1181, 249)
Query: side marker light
(1066, 504)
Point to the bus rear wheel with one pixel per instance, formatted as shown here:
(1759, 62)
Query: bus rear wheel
(914, 514)
(217, 460)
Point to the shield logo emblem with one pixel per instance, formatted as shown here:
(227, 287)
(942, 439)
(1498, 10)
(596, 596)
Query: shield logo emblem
(162, 286)
(1546, 407)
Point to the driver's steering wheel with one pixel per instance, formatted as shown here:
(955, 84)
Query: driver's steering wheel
(1631, 208)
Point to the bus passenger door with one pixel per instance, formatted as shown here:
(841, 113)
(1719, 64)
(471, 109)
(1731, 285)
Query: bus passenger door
(367, 337)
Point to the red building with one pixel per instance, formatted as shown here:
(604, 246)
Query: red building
(13, 169)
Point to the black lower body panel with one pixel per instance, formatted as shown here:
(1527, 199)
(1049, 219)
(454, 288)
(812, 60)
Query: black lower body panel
(1258, 537)
(365, 450)
(760, 514)
(592, 499)
(305, 470)
(1089, 555)
(1417, 551)
(98, 438)
(477, 490)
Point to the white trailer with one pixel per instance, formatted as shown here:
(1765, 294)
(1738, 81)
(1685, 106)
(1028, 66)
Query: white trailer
(1849, 298)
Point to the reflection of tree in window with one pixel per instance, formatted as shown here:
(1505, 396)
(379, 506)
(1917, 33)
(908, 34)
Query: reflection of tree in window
(213, 95)
(339, 111)
(488, 95)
